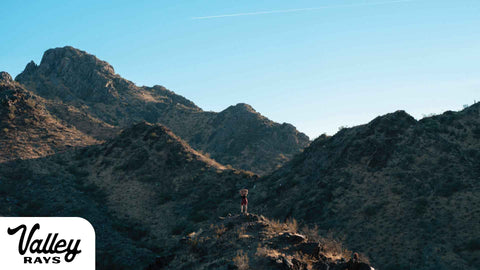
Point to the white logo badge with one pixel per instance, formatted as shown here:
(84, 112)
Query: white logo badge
(47, 243)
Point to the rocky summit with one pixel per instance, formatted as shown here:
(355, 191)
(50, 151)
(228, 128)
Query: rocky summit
(255, 242)
(85, 92)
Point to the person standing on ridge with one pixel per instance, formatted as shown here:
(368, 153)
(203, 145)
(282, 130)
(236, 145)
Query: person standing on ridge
(244, 203)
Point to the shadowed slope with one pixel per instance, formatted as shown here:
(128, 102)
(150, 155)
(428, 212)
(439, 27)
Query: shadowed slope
(396, 187)
(142, 189)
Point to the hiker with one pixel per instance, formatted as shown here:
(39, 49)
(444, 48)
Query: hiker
(244, 203)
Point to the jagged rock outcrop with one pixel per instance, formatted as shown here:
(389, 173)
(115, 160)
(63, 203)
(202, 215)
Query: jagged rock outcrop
(396, 182)
(85, 92)
(255, 242)
(27, 129)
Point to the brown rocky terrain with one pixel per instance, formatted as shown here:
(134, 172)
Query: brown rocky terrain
(27, 129)
(85, 92)
(147, 193)
(76, 139)
(142, 191)
(404, 191)
(255, 242)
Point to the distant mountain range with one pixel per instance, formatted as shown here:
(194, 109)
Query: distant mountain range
(85, 92)
(158, 177)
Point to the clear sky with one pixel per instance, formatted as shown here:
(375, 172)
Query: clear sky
(316, 64)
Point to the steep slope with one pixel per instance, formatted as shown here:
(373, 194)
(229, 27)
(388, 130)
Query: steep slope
(141, 190)
(50, 187)
(153, 177)
(27, 130)
(86, 92)
(396, 187)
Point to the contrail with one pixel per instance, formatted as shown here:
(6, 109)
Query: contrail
(299, 9)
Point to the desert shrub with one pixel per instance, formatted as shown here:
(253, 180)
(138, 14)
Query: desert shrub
(241, 260)
(106, 260)
(220, 230)
(132, 230)
(31, 208)
(135, 161)
(292, 225)
(449, 187)
(476, 133)
(311, 233)
(370, 210)
(77, 172)
(333, 248)
(147, 178)
(397, 190)
(473, 245)
(276, 226)
(420, 206)
(198, 216)
(164, 198)
(180, 227)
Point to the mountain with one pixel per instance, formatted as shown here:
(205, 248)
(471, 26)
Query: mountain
(85, 92)
(27, 129)
(406, 192)
(142, 191)
(156, 203)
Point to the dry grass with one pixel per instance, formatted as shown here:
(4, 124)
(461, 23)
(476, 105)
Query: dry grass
(311, 233)
(242, 233)
(241, 260)
(220, 230)
(334, 249)
(268, 253)
(288, 226)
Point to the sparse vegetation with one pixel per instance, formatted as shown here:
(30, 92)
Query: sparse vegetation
(241, 260)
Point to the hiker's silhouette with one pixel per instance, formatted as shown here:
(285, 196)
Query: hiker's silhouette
(244, 202)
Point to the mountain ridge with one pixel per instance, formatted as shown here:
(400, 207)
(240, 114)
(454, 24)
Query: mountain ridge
(79, 87)
(395, 182)
(27, 129)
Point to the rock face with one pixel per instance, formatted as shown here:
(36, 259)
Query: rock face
(84, 91)
(27, 129)
(408, 185)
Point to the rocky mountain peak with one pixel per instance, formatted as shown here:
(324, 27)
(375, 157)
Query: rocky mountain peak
(66, 57)
(70, 78)
(5, 77)
(242, 110)
(391, 124)
(243, 107)
(69, 73)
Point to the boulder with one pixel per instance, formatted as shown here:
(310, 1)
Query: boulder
(292, 238)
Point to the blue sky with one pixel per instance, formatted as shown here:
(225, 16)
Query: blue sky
(318, 69)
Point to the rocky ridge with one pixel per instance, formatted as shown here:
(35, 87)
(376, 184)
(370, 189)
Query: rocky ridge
(86, 92)
(27, 129)
(396, 182)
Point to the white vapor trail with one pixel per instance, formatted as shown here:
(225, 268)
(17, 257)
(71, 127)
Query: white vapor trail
(299, 9)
